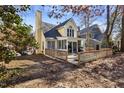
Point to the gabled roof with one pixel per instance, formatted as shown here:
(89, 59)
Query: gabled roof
(92, 28)
(54, 31)
(95, 30)
(62, 24)
(47, 26)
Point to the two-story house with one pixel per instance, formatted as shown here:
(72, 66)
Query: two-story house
(61, 37)
(64, 37)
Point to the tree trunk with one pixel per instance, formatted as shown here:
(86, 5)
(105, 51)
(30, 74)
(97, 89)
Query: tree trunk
(122, 33)
(113, 18)
(108, 18)
(108, 24)
(107, 41)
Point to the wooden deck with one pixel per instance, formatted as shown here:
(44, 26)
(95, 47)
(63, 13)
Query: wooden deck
(80, 57)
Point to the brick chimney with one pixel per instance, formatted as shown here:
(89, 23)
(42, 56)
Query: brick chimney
(39, 36)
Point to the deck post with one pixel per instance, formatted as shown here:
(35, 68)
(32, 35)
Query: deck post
(67, 56)
(67, 45)
(72, 43)
(78, 58)
(77, 46)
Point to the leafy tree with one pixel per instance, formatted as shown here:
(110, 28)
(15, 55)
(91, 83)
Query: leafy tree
(89, 12)
(14, 35)
(6, 54)
(23, 38)
(86, 13)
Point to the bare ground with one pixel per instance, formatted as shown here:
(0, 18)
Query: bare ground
(40, 71)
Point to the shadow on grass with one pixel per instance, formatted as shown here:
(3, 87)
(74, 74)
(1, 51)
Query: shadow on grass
(47, 68)
(52, 70)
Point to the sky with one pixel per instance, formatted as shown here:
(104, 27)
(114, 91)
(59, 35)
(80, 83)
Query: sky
(29, 17)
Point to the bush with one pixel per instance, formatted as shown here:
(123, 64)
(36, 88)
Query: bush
(2, 68)
(6, 54)
(7, 76)
(115, 49)
(104, 44)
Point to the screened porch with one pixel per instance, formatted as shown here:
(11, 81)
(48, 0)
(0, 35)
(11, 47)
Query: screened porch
(63, 43)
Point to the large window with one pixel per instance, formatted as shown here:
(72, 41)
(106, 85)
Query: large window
(51, 44)
(61, 44)
(70, 32)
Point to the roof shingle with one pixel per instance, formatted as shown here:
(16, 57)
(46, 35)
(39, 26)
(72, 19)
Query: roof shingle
(54, 31)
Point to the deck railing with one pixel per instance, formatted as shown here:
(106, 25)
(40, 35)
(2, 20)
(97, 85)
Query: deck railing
(93, 55)
(57, 53)
(82, 56)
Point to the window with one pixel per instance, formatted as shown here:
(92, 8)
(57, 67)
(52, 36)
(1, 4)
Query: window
(64, 44)
(48, 44)
(70, 32)
(51, 44)
(61, 44)
(67, 32)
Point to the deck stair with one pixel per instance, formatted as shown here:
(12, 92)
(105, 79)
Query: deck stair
(72, 58)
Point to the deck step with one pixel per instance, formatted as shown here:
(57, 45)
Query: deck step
(73, 59)
(72, 56)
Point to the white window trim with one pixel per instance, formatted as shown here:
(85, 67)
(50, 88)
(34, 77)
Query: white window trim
(70, 32)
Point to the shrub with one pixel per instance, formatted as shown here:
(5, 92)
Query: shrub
(6, 54)
(7, 76)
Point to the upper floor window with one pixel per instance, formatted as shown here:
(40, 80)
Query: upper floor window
(70, 32)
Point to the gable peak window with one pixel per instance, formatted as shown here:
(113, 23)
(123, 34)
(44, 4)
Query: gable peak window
(70, 32)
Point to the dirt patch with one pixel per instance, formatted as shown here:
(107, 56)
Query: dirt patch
(41, 71)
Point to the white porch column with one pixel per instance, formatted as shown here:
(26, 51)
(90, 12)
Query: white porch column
(84, 44)
(77, 45)
(55, 44)
(72, 46)
(61, 44)
(67, 45)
